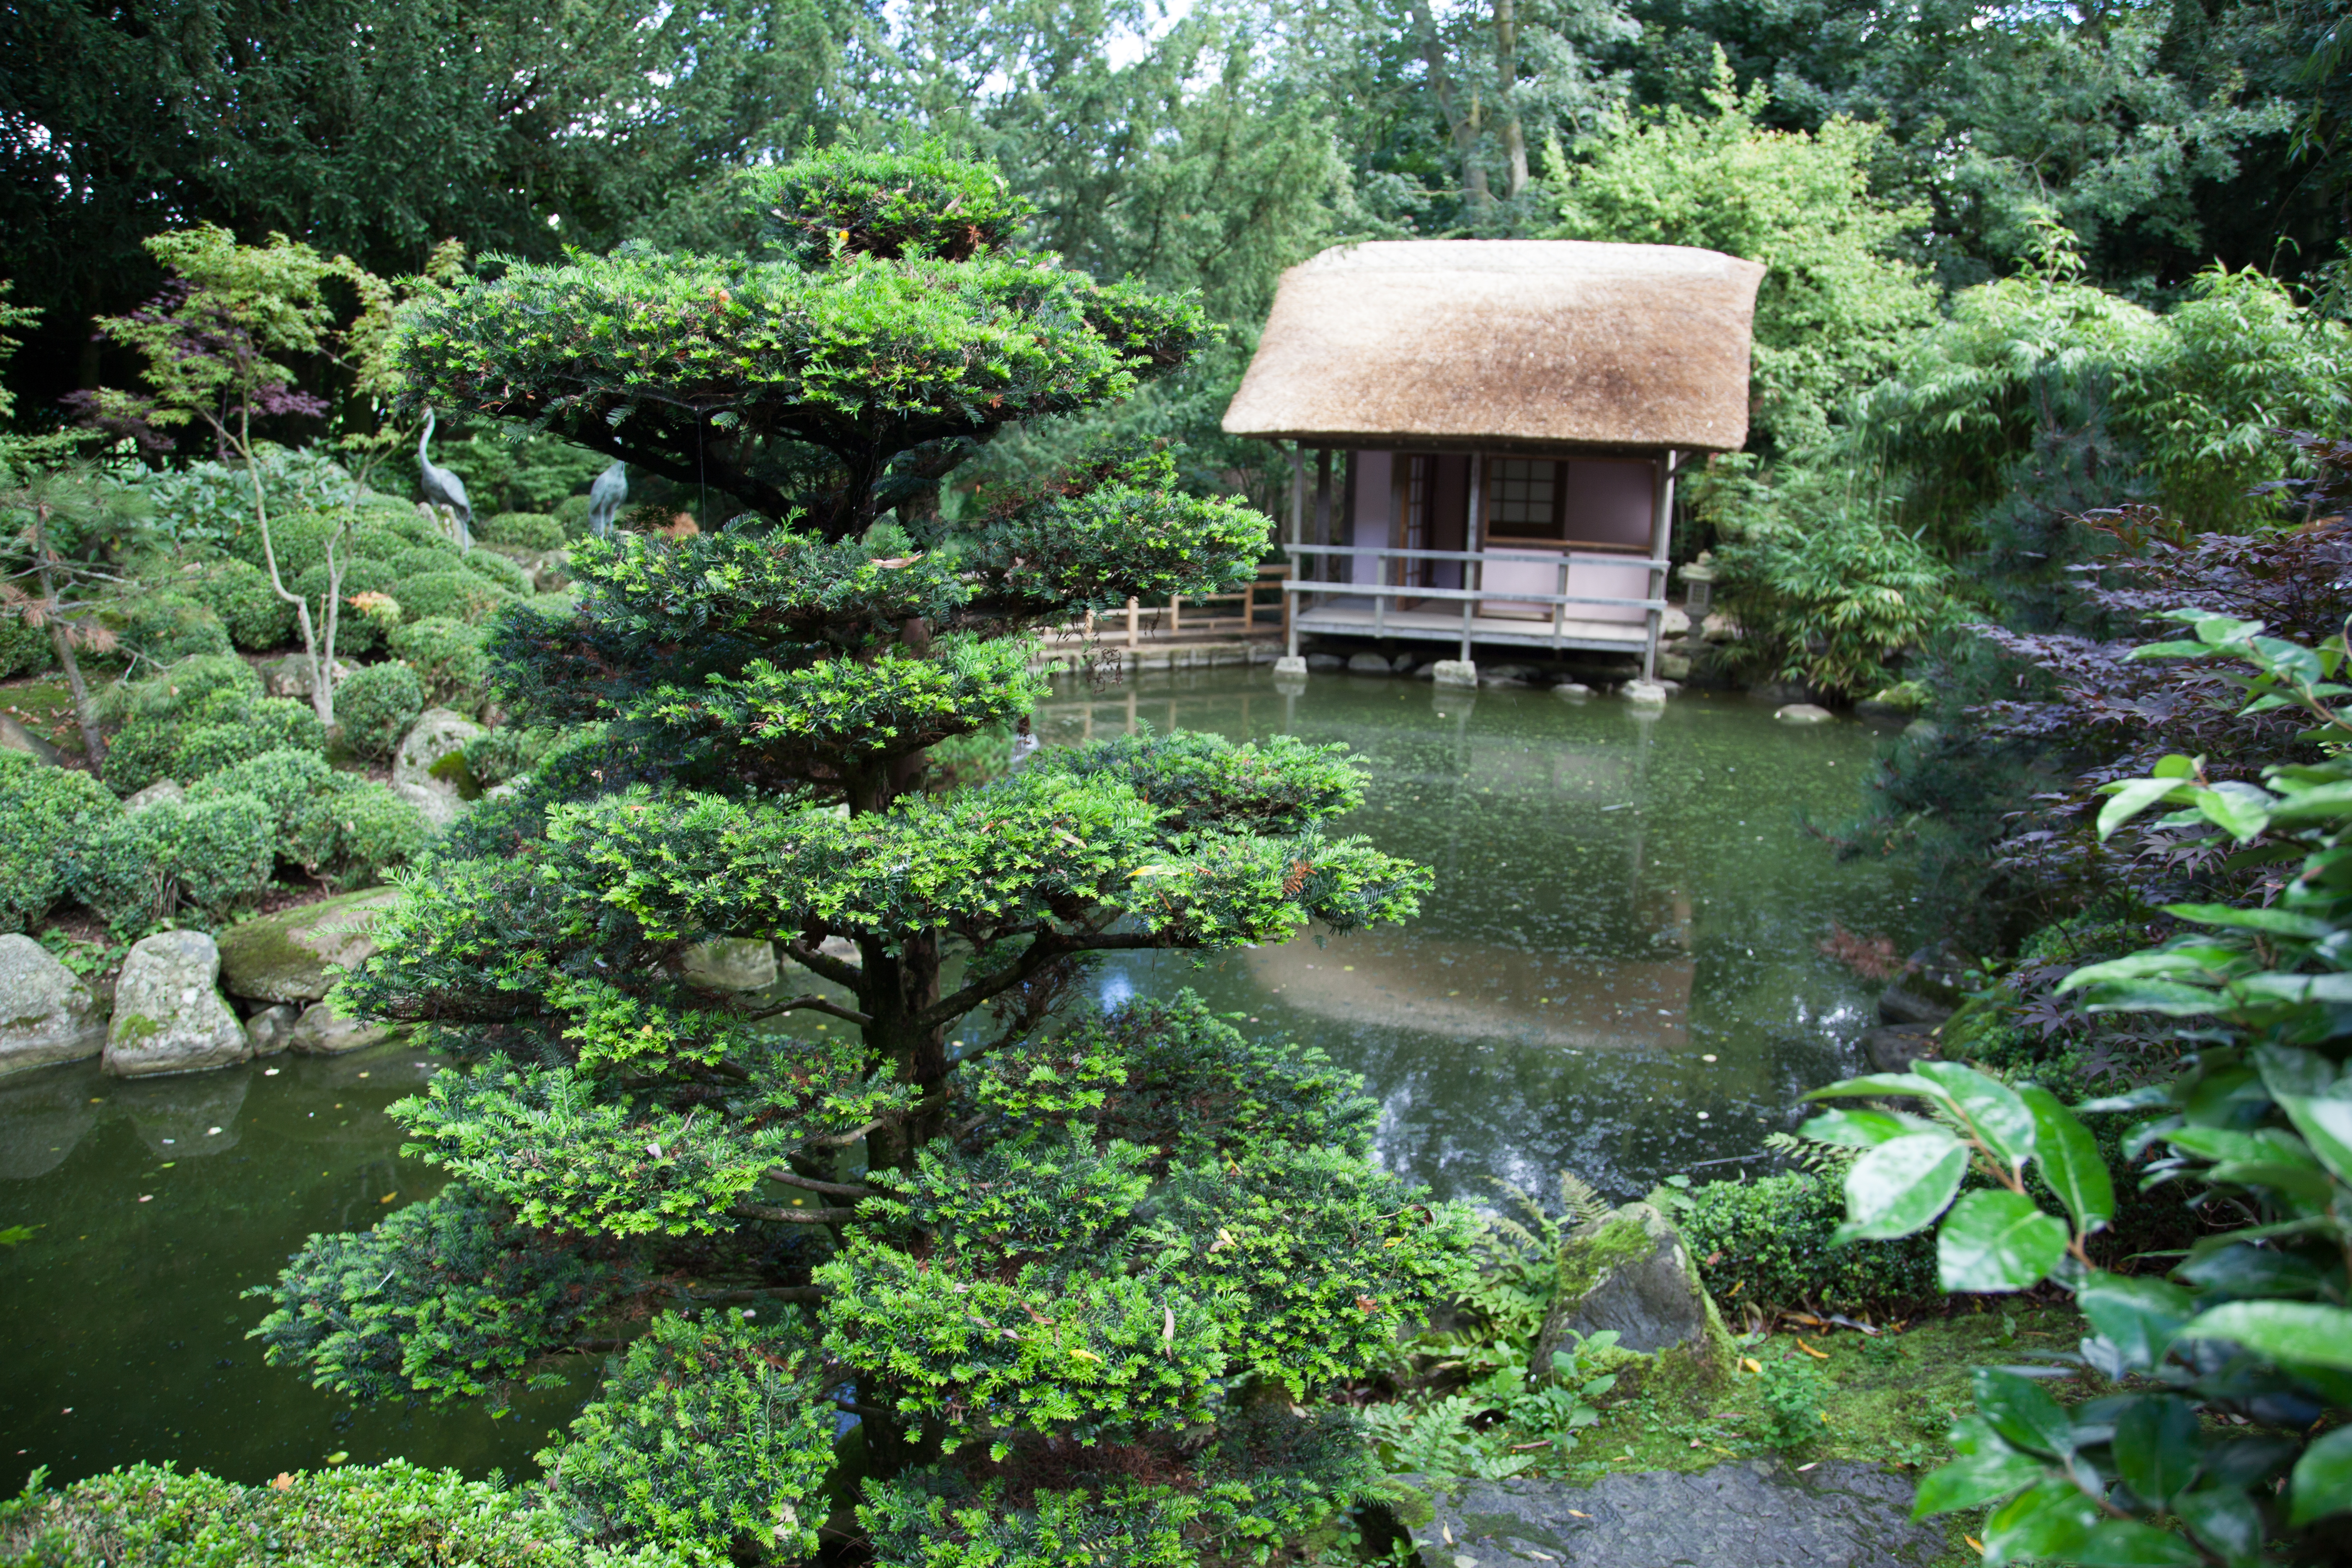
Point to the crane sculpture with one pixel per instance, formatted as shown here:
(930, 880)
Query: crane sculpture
(604, 499)
(443, 488)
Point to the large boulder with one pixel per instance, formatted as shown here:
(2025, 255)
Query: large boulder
(15, 737)
(323, 1032)
(294, 954)
(169, 1014)
(421, 773)
(47, 1015)
(1630, 1271)
(1368, 664)
(1755, 1513)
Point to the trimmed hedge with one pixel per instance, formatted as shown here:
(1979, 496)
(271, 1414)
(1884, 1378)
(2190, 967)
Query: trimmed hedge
(240, 595)
(495, 568)
(44, 811)
(522, 530)
(374, 704)
(138, 869)
(328, 823)
(467, 596)
(1768, 1242)
(187, 741)
(446, 655)
(393, 1515)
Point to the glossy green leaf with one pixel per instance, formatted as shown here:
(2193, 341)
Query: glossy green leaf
(2070, 1159)
(2225, 1521)
(1974, 1480)
(2139, 1315)
(2282, 1331)
(2267, 1145)
(2323, 1479)
(1992, 1106)
(1861, 1128)
(2127, 1543)
(1998, 1241)
(2050, 1520)
(2326, 1129)
(2129, 799)
(2156, 1447)
(1902, 1185)
(2279, 922)
(2239, 809)
(2022, 1413)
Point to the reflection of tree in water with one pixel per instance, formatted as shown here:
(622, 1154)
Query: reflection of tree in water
(1593, 867)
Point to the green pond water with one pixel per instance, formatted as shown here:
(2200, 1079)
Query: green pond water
(1618, 974)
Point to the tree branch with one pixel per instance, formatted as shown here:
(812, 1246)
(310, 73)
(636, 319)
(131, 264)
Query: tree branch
(813, 1002)
(791, 1216)
(823, 966)
(788, 1177)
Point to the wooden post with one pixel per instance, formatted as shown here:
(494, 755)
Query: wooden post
(1661, 528)
(1175, 614)
(1474, 530)
(1131, 623)
(1289, 613)
(1323, 511)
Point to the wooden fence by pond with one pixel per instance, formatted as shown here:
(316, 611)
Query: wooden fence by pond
(1258, 609)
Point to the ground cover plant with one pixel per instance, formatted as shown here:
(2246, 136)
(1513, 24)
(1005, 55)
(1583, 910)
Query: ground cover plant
(1085, 1292)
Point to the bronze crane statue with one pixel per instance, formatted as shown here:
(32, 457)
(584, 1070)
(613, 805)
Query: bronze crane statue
(604, 499)
(443, 488)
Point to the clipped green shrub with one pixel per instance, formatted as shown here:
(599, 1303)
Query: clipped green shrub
(374, 704)
(175, 691)
(167, 627)
(140, 754)
(354, 633)
(458, 596)
(1768, 1241)
(24, 649)
(522, 530)
(495, 568)
(393, 1515)
(446, 655)
(572, 516)
(268, 724)
(421, 560)
(331, 824)
(375, 830)
(248, 607)
(296, 786)
(44, 811)
(197, 858)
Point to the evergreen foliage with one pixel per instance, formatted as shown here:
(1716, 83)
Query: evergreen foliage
(375, 704)
(1087, 1279)
(45, 812)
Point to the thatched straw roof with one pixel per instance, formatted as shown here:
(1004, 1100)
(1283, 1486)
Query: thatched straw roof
(1521, 344)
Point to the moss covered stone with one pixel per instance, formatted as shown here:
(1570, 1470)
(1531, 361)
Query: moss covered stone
(1631, 1273)
(295, 955)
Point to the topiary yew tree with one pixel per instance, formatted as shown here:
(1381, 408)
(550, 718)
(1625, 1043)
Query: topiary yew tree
(1072, 1284)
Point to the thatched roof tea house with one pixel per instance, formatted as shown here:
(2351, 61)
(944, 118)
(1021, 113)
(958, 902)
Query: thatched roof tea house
(1508, 417)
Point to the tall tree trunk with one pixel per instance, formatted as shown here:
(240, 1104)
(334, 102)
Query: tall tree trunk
(93, 744)
(1462, 126)
(1507, 82)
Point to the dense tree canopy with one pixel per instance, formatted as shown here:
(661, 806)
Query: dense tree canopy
(1070, 1277)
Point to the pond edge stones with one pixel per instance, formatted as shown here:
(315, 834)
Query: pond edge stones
(47, 1014)
(169, 1014)
(291, 956)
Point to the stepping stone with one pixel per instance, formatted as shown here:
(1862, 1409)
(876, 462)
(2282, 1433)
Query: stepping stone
(1752, 1513)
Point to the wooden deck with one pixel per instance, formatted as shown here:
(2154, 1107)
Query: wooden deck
(1354, 618)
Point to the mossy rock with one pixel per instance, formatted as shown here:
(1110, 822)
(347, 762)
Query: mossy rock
(295, 955)
(1631, 1272)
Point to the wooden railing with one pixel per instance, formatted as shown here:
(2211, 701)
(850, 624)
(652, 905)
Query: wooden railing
(1257, 608)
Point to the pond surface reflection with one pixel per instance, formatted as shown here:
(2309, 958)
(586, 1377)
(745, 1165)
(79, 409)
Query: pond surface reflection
(1617, 974)
(1619, 971)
